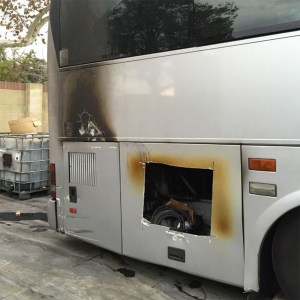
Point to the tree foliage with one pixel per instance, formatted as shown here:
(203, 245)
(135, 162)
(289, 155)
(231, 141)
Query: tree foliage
(22, 21)
(22, 68)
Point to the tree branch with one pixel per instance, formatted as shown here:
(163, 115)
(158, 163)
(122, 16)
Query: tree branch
(33, 30)
(19, 16)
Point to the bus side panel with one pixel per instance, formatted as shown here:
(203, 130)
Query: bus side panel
(218, 255)
(261, 212)
(91, 202)
(149, 98)
(54, 110)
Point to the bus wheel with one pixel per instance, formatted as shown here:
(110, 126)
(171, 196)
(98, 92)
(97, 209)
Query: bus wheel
(286, 254)
(257, 296)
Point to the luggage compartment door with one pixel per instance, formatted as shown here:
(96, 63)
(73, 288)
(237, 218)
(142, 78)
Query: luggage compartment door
(182, 207)
(91, 203)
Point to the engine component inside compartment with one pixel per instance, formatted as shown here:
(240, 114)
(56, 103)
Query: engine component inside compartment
(178, 198)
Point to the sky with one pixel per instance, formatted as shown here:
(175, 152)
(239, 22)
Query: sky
(38, 47)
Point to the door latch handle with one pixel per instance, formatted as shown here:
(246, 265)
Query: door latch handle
(73, 194)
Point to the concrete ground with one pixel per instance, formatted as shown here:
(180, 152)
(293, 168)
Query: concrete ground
(39, 263)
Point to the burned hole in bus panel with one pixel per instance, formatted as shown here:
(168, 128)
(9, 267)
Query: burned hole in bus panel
(178, 198)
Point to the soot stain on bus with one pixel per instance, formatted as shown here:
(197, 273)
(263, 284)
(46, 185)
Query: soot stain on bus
(84, 106)
(221, 221)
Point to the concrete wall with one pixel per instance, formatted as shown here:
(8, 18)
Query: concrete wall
(21, 100)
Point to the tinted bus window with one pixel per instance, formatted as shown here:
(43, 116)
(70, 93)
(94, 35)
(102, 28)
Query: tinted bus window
(97, 30)
(220, 20)
(139, 27)
(82, 31)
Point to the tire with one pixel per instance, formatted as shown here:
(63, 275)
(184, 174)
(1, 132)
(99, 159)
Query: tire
(286, 254)
(257, 296)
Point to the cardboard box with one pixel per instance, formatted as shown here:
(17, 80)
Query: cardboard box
(24, 125)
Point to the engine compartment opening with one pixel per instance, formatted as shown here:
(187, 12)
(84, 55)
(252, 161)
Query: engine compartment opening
(179, 198)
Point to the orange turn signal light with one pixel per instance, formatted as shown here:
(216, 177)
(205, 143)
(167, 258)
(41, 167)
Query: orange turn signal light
(262, 164)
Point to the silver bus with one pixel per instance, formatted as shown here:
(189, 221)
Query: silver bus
(175, 134)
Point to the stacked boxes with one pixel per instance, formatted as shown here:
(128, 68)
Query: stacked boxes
(24, 163)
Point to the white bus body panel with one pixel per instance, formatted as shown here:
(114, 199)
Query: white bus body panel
(55, 146)
(231, 92)
(93, 169)
(261, 212)
(219, 256)
(242, 92)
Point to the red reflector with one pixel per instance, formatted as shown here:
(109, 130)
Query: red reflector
(52, 174)
(262, 164)
(73, 210)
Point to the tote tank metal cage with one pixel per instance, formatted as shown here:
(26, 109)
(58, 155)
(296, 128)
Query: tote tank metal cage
(24, 163)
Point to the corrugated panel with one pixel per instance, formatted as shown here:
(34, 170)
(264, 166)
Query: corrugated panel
(82, 168)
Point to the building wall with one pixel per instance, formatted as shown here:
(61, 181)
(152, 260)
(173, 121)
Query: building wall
(20, 100)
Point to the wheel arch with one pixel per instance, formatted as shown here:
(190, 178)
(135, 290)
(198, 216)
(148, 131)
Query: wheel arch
(259, 240)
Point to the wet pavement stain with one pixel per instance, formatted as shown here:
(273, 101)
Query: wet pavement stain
(195, 284)
(123, 262)
(38, 228)
(126, 272)
(180, 289)
(13, 216)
